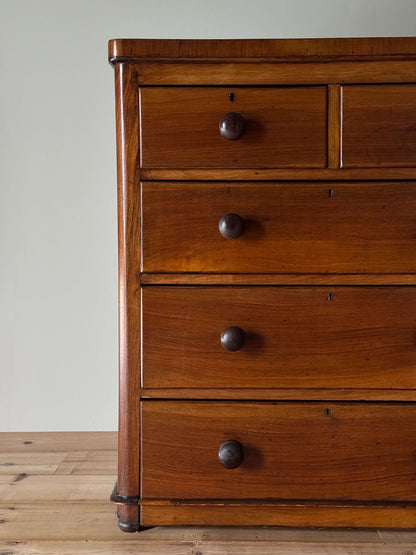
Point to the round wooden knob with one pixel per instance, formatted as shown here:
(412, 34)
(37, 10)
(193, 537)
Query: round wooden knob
(231, 226)
(230, 454)
(232, 126)
(232, 338)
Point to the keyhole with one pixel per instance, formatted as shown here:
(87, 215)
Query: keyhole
(327, 412)
(330, 296)
(231, 97)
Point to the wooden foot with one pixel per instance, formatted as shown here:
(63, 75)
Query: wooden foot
(128, 512)
(130, 526)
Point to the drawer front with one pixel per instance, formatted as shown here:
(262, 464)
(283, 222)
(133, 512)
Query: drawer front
(379, 126)
(282, 127)
(292, 337)
(306, 227)
(320, 451)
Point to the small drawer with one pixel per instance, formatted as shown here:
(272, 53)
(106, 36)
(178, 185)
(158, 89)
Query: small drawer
(279, 227)
(378, 126)
(279, 127)
(279, 337)
(286, 451)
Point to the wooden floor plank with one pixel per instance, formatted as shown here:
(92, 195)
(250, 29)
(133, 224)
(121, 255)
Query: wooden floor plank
(74, 462)
(92, 456)
(66, 467)
(30, 463)
(57, 488)
(162, 548)
(57, 441)
(303, 549)
(59, 521)
(89, 462)
(6, 479)
(397, 536)
(95, 548)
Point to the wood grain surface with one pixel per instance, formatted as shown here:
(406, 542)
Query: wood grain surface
(284, 514)
(295, 337)
(297, 451)
(378, 126)
(284, 394)
(258, 49)
(334, 126)
(195, 278)
(267, 73)
(285, 127)
(301, 228)
(127, 129)
(287, 174)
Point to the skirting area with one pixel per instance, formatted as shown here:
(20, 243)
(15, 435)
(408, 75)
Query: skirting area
(54, 498)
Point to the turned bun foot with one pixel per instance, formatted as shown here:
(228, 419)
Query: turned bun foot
(130, 526)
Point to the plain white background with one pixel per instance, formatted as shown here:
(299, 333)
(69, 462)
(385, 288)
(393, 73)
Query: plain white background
(58, 311)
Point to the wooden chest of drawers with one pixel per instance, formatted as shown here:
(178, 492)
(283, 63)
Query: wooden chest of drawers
(267, 264)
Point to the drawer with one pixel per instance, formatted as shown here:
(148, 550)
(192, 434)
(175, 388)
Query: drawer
(291, 337)
(281, 227)
(282, 127)
(378, 126)
(319, 451)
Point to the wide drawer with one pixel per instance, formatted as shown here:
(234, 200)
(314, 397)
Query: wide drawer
(285, 227)
(378, 126)
(282, 127)
(305, 451)
(291, 337)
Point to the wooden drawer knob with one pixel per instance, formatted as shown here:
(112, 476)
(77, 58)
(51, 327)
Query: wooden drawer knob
(232, 338)
(232, 126)
(231, 226)
(230, 454)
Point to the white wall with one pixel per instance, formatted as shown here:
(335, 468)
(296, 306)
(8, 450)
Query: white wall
(58, 311)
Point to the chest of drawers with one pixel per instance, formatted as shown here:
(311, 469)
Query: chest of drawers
(267, 264)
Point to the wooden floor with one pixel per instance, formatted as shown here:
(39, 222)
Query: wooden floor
(54, 491)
